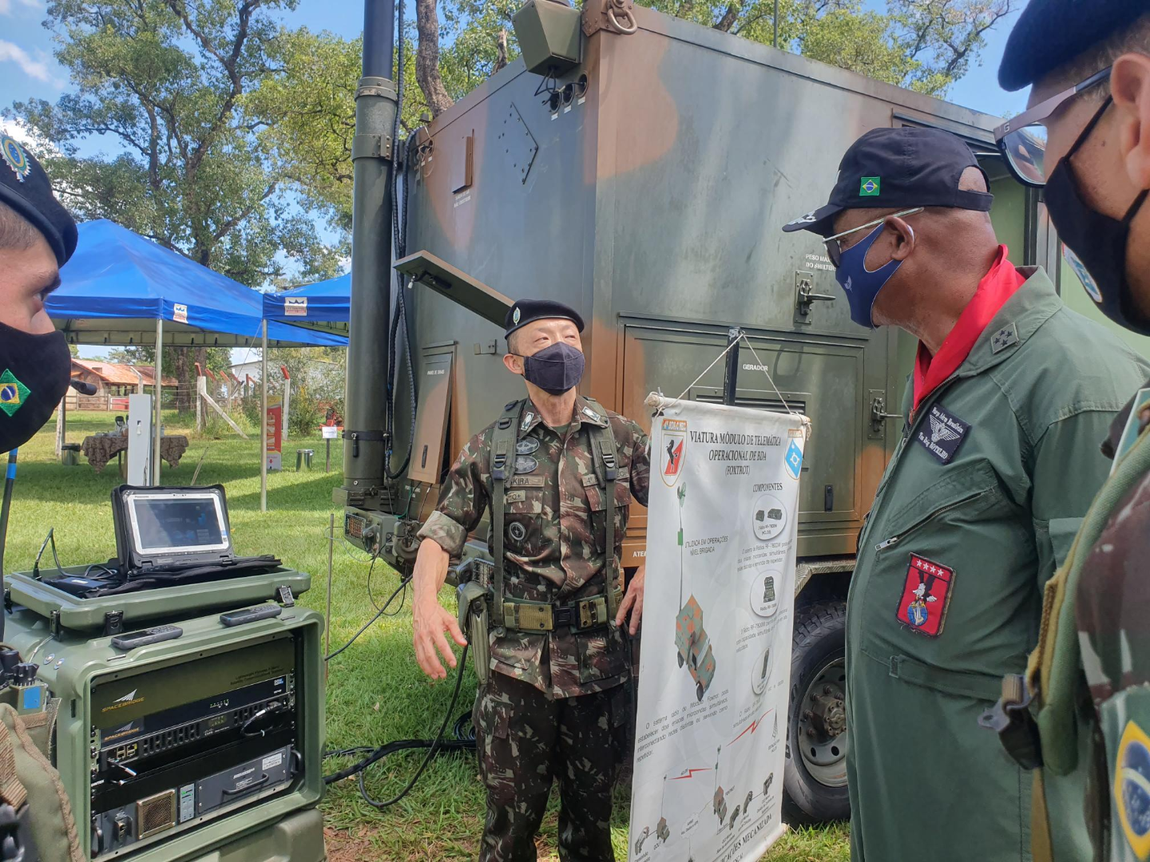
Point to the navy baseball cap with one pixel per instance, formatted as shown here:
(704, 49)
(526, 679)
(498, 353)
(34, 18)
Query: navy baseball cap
(527, 310)
(1051, 33)
(899, 169)
(25, 187)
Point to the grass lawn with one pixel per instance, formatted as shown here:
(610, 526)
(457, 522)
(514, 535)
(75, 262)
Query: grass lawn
(375, 691)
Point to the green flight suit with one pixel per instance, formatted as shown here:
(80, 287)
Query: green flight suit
(981, 499)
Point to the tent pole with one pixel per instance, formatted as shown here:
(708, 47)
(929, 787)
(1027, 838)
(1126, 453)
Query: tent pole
(158, 388)
(264, 419)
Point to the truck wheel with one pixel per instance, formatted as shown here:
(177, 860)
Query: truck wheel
(815, 778)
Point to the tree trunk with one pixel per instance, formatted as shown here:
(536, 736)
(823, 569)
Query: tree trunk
(729, 18)
(427, 58)
(185, 374)
(501, 47)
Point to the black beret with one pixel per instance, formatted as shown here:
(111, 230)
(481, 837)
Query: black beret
(25, 187)
(1051, 33)
(526, 310)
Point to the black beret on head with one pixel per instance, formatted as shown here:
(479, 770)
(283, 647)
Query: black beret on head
(1051, 33)
(25, 187)
(526, 310)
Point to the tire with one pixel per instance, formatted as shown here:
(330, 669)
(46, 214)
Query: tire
(819, 642)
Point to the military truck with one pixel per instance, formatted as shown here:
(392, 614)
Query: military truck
(639, 168)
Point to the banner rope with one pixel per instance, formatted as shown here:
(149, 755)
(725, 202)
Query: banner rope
(761, 365)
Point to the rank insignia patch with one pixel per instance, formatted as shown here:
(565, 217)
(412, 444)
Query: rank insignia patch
(13, 393)
(925, 596)
(1132, 788)
(1004, 338)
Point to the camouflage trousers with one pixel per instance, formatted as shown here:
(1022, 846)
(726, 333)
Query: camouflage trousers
(524, 740)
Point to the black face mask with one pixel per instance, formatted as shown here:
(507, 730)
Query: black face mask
(34, 374)
(1095, 243)
(555, 369)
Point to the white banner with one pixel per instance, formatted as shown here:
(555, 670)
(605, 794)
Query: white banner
(715, 671)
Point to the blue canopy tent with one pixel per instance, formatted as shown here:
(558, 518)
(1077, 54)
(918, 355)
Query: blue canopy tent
(324, 305)
(120, 288)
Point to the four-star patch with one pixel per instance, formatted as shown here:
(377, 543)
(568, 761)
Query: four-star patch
(13, 393)
(1004, 338)
(925, 596)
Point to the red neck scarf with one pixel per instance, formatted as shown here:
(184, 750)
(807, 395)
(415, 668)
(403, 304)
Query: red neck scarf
(996, 287)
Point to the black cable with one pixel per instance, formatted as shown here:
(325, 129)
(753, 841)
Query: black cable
(5, 508)
(402, 599)
(401, 588)
(434, 747)
(465, 728)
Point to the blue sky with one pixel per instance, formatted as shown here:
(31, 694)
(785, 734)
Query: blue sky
(28, 70)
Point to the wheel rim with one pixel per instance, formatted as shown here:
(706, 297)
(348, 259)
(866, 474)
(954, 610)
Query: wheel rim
(822, 730)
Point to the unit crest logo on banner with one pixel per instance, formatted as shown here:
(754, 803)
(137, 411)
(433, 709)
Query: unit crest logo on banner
(674, 449)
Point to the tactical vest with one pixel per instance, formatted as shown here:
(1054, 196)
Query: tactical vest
(36, 820)
(1038, 717)
(534, 616)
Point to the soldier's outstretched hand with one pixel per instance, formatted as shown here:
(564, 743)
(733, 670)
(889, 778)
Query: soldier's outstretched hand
(633, 602)
(431, 620)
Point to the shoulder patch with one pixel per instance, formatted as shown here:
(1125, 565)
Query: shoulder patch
(942, 434)
(592, 415)
(1006, 337)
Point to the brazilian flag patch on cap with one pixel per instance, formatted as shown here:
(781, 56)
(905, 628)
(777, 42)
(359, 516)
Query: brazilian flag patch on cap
(13, 393)
(870, 187)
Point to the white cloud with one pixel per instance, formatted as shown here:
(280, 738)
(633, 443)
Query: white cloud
(6, 5)
(37, 69)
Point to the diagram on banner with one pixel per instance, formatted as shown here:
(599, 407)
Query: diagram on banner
(770, 517)
(709, 739)
(764, 596)
(694, 647)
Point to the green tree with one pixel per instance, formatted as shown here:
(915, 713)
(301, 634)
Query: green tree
(312, 96)
(925, 45)
(166, 82)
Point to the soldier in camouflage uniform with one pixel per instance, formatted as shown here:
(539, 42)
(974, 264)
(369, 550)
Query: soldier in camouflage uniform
(1082, 713)
(555, 704)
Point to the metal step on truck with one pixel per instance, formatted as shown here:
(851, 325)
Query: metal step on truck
(639, 168)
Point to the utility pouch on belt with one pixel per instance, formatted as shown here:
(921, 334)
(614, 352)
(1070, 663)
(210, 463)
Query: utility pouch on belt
(473, 598)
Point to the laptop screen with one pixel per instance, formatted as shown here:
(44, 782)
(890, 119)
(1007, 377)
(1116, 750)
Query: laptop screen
(177, 522)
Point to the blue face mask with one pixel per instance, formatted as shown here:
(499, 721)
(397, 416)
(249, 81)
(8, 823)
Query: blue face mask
(862, 285)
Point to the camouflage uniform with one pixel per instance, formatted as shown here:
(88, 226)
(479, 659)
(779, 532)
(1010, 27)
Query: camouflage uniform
(555, 703)
(1112, 611)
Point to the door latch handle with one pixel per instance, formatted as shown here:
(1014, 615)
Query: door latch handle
(878, 413)
(808, 297)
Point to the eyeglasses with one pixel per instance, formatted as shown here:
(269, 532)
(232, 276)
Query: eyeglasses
(835, 249)
(1022, 140)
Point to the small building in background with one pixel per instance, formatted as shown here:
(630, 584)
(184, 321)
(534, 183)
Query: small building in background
(113, 382)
